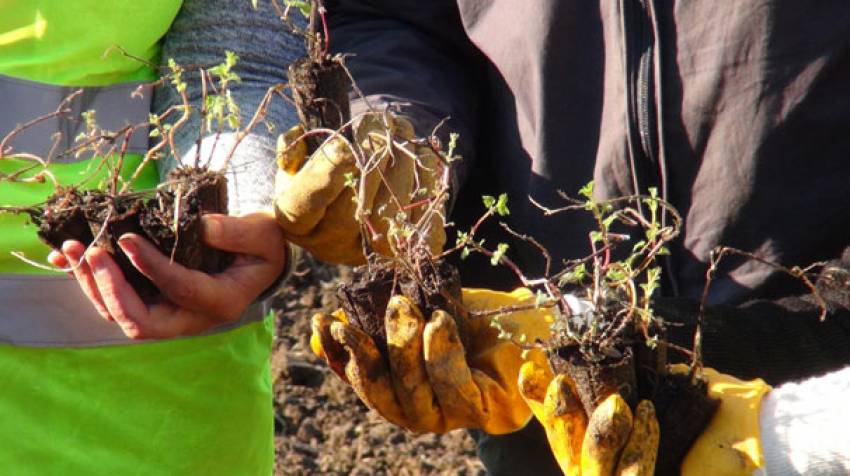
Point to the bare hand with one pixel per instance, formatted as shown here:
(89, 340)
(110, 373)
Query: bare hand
(191, 301)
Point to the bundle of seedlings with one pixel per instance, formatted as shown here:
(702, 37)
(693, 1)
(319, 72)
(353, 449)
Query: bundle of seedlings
(169, 215)
(403, 227)
(606, 336)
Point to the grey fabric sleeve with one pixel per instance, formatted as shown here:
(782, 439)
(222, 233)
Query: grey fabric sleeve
(199, 37)
(415, 57)
(201, 33)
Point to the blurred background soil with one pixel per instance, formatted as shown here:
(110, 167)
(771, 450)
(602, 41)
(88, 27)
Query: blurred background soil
(321, 428)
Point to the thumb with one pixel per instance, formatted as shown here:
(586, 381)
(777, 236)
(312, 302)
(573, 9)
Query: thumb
(291, 152)
(255, 234)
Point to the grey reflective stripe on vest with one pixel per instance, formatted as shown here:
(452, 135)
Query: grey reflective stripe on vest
(116, 106)
(51, 311)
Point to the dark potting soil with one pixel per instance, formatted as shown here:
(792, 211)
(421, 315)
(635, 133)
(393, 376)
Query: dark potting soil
(169, 217)
(320, 91)
(366, 296)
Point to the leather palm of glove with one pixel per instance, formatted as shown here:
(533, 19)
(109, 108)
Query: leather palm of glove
(315, 205)
(430, 382)
(614, 442)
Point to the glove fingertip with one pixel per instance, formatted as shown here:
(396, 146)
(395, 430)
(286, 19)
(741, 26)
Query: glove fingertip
(319, 325)
(290, 151)
(341, 333)
(533, 382)
(400, 306)
(441, 333)
(561, 396)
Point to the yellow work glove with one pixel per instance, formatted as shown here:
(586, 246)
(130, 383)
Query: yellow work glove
(731, 444)
(612, 442)
(430, 382)
(314, 203)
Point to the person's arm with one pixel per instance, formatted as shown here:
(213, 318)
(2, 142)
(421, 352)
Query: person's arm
(414, 69)
(778, 340)
(199, 37)
(414, 56)
(804, 426)
(194, 302)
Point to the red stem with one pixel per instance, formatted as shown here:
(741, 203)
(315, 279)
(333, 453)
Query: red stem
(325, 28)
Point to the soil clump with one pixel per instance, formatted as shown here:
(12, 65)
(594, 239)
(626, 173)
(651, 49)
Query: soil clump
(170, 217)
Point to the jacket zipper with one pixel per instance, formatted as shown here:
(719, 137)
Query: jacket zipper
(640, 76)
(647, 169)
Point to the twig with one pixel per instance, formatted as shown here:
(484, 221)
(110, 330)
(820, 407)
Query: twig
(60, 110)
(534, 242)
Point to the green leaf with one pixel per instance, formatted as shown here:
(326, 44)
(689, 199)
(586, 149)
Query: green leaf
(497, 256)
(539, 298)
(616, 274)
(502, 205)
(302, 5)
(350, 180)
(652, 232)
(450, 155)
(640, 244)
(575, 276)
(596, 236)
(464, 253)
(653, 192)
(462, 238)
(653, 276)
(153, 133)
(608, 221)
(587, 191)
(489, 201)
(254, 4)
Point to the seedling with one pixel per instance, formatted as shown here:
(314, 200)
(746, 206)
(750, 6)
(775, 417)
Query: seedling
(169, 216)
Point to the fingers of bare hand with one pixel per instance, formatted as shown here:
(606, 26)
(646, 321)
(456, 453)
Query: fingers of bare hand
(404, 325)
(185, 288)
(73, 252)
(118, 297)
(56, 258)
(256, 234)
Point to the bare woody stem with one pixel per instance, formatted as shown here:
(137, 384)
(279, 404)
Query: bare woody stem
(61, 110)
(715, 257)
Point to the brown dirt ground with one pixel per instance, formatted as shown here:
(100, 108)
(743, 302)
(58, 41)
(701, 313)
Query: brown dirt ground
(321, 427)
